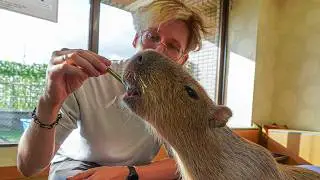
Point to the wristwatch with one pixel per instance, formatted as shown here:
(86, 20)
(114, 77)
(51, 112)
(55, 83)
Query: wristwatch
(133, 175)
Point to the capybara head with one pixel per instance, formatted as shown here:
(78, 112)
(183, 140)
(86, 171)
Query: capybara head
(163, 93)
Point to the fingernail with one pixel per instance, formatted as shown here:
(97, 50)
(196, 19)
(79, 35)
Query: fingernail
(105, 59)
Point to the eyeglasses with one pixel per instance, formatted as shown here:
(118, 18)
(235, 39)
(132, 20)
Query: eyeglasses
(152, 39)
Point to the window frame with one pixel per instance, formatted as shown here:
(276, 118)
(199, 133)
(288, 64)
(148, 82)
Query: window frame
(222, 66)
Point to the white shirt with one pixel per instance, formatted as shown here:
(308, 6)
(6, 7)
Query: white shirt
(96, 127)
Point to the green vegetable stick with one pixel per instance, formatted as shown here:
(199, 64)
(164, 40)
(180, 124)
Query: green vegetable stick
(115, 75)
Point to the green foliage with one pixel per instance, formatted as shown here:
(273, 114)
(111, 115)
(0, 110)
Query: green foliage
(34, 72)
(20, 85)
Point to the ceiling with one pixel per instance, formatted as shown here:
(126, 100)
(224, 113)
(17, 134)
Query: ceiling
(131, 5)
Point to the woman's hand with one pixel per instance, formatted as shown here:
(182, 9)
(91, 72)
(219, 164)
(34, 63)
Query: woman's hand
(103, 173)
(67, 71)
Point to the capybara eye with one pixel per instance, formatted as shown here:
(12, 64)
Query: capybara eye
(192, 93)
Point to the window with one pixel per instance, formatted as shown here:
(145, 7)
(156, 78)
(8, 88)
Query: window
(115, 34)
(26, 46)
(240, 90)
(241, 63)
(203, 64)
(27, 43)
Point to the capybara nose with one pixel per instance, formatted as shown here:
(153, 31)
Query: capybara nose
(139, 59)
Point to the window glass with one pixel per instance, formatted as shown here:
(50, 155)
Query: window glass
(116, 33)
(203, 66)
(26, 47)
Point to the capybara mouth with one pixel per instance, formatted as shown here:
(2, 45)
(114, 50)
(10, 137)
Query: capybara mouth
(133, 91)
(132, 86)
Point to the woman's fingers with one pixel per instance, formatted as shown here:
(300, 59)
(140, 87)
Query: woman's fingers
(73, 59)
(60, 59)
(69, 70)
(85, 64)
(90, 62)
(82, 175)
(96, 61)
(102, 59)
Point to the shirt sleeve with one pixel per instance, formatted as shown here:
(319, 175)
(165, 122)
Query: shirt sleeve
(70, 114)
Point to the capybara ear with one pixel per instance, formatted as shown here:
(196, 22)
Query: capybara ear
(221, 116)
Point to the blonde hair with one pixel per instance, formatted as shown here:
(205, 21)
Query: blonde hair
(161, 11)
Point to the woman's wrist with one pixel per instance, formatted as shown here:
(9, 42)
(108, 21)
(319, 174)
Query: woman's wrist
(50, 103)
(46, 111)
(162, 170)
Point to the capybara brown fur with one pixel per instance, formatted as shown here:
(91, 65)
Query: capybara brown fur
(180, 112)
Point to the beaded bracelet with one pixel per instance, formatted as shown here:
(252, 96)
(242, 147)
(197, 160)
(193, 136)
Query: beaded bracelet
(47, 126)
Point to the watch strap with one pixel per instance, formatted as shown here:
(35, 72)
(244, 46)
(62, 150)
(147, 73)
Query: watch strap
(133, 175)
